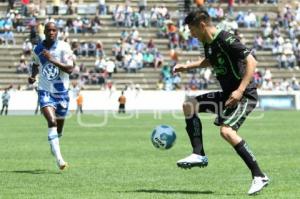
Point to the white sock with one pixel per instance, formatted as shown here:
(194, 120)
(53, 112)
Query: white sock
(54, 143)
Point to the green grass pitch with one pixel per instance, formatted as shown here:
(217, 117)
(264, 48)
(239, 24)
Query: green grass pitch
(118, 160)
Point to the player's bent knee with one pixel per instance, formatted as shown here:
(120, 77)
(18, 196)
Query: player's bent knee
(190, 107)
(187, 109)
(226, 132)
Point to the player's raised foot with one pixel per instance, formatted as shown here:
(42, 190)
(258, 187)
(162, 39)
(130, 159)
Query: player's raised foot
(193, 160)
(62, 165)
(258, 183)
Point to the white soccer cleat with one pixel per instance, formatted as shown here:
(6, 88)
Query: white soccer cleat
(193, 160)
(258, 183)
(62, 164)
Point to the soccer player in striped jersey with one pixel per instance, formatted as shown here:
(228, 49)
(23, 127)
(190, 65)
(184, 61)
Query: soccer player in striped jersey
(53, 61)
(233, 66)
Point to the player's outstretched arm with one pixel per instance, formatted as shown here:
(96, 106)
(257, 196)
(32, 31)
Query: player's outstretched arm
(64, 67)
(202, 63)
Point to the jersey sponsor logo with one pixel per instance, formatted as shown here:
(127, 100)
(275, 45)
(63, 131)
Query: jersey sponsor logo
(46, 98)
(220, 68)
(50, 71)
(230, 39)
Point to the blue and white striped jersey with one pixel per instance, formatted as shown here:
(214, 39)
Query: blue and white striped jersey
(51, 78)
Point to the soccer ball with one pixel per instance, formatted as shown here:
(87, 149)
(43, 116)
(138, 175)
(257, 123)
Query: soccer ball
(163, 137)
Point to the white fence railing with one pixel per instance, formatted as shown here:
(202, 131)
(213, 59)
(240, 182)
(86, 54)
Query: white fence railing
(145, 100)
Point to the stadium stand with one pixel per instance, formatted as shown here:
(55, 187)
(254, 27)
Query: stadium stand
(108, 34)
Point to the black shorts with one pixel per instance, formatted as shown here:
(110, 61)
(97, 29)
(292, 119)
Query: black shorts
(234, 117)
(122, 106)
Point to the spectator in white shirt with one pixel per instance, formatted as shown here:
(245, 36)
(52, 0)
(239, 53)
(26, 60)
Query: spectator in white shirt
(287, 47)
(267, 85)
(267, 75)
(110, 67)
(27, 47)
(100, 64)
(250, 19)
(282, 61)
(297, 13)
(142, 5)
(291, 60)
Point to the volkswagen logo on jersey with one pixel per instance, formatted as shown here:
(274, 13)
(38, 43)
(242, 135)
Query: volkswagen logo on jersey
(50, 71)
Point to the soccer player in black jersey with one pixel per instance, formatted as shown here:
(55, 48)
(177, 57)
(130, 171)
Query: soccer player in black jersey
(233, 66)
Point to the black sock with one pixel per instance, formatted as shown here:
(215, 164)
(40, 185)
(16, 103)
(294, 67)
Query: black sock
(194, 130)
(246, 154)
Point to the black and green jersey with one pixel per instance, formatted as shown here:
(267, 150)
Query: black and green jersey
(227, 56)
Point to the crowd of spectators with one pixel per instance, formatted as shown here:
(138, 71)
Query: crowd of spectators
(131, 53)
(283, 44)
(243, 1)
(202, 81)
(126, 16)
(7, 25)
(264, 81)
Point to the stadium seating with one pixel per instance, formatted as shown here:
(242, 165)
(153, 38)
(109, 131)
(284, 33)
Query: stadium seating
(147, 77)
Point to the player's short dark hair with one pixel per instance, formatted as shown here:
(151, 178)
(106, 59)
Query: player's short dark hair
(50, 22)
(196, 16)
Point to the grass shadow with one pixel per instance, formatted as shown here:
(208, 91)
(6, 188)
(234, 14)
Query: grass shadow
(173, 191)
(33, 172)
(187, 192)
